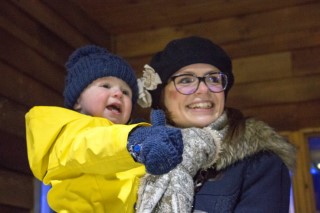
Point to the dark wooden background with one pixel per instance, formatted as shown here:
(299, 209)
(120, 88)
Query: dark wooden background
(275, 46)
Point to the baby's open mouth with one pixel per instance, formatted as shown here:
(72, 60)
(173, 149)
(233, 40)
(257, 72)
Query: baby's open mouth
(114, 108)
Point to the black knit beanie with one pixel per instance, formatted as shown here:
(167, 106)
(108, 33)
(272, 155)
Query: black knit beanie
(186, 51)
(91, 62)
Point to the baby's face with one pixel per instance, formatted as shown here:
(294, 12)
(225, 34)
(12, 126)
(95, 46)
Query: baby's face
(107, 97)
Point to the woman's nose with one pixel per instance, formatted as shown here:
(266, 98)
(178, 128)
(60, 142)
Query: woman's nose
(202, 87)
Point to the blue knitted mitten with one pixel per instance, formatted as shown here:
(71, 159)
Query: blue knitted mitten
(158, 147)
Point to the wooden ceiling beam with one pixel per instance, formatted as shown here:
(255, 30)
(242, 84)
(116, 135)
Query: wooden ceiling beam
(13, 153)
(231, 32)
(91, 29)
(275, 43)
(21, 26)
(54, 22)
(289, 116)
(31, 92)
(28, 61)
(16, 189)
(280, 91)
(12, 117)
(306, 61)
(132, 16)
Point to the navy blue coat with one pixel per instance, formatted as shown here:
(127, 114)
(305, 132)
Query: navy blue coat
(257, 184)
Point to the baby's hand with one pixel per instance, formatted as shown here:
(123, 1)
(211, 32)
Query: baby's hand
(158, 147)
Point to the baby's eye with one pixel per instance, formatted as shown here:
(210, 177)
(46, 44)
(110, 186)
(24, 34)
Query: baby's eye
(126, 92)
(107, 86)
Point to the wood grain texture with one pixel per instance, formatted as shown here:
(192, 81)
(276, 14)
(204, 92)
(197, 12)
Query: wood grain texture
(274, 45)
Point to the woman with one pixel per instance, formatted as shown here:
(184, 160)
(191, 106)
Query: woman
(191, 78)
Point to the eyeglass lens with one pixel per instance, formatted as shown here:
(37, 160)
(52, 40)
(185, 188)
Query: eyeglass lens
(188, 83)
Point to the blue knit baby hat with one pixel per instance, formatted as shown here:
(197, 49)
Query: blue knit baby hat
(91, 62)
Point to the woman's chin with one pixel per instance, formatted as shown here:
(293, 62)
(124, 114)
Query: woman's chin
(198, 122)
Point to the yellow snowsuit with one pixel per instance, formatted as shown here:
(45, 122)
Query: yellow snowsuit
(84, 158)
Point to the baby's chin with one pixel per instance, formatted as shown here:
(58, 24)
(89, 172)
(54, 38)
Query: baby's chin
(119, 120)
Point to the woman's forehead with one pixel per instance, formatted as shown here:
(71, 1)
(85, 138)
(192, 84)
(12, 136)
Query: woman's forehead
(197, 68)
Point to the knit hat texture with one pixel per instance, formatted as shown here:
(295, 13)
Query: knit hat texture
(186, 51)
(91, 62)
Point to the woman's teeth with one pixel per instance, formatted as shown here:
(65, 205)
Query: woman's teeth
(205, 105)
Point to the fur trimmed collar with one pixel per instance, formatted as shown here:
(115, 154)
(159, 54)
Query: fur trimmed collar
(258, 137)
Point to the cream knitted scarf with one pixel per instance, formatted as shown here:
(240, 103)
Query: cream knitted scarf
(173, 192)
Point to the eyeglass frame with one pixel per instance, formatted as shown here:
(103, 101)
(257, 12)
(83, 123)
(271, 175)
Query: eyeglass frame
(200, 79)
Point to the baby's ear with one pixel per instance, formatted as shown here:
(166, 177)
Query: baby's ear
(77, 106)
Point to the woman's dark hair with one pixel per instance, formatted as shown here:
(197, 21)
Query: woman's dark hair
(236, 122)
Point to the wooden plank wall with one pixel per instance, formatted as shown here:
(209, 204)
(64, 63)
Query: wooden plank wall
(276, 64)
(35, 43)
(275, 55)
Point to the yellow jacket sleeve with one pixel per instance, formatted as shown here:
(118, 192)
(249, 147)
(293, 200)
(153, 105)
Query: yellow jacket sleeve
(63, 143)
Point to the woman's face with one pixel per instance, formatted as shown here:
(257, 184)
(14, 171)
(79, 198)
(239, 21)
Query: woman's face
(198, 109)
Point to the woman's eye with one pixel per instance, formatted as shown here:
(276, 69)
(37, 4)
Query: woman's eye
(214, 79)
(185, 80)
